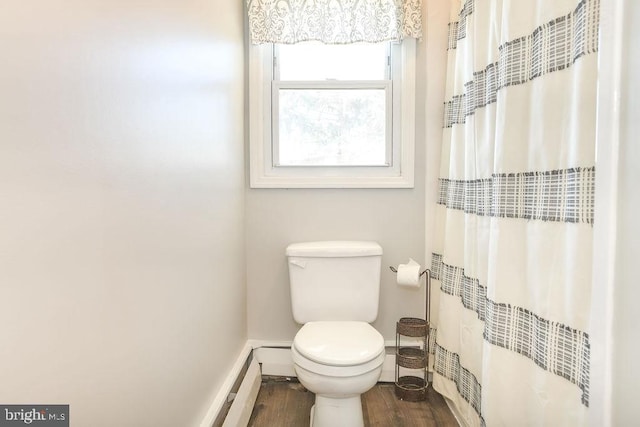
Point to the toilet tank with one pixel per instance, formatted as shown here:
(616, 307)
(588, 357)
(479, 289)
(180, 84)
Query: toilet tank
(336, 280)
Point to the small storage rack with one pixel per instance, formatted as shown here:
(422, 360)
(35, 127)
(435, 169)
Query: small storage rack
(412, 353)
(413, 387)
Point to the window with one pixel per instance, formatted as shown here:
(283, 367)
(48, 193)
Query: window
(328, 116)
(331, 105)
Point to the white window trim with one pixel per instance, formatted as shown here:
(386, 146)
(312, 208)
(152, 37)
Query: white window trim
(264, 175)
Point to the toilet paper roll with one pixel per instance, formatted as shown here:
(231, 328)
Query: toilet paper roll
(409, 274)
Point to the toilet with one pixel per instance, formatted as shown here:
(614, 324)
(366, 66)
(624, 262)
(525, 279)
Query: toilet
(337, 354)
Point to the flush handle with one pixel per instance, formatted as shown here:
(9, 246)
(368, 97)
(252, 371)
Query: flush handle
(298, 263)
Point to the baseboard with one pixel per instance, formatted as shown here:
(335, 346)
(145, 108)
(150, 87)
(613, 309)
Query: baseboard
(388, 369)
(227, 386)
(275, 361)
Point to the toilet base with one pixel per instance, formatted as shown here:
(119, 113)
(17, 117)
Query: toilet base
(330, 412)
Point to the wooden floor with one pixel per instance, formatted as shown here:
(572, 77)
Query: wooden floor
(288, 403)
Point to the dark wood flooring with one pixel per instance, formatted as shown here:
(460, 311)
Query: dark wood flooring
(287, 403)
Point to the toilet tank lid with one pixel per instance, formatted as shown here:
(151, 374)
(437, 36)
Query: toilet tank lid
(334, 248)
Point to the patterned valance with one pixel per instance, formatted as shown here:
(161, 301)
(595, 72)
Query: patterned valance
(333, 21)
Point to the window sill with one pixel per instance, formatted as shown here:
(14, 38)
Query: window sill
(331, 182)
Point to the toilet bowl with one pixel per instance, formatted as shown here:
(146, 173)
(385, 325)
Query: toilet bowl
(338, 361)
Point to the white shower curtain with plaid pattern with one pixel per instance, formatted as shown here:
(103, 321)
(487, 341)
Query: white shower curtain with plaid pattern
(513, 251)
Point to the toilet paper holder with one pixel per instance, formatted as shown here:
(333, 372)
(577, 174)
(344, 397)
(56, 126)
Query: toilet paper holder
(427, 307)
(395, 270)
(410, 387)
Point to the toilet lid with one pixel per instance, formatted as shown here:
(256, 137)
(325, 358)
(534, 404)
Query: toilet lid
(339, 343)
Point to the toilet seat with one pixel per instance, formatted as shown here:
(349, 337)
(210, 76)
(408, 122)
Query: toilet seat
(338, 348)
(339, 343)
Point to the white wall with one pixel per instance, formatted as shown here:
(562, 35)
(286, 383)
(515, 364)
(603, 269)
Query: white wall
(615, 350)
(122, 200)
(393, 217)
(626, 350)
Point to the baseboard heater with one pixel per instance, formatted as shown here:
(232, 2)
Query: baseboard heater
(242, 401)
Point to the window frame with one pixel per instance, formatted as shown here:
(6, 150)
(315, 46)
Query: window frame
(264, 174)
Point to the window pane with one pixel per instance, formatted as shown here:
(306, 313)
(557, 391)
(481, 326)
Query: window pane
(332, 127)
(317, 61)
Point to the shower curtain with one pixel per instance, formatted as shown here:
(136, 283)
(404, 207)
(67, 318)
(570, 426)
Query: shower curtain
(513, 250)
